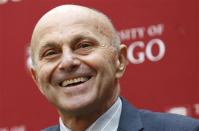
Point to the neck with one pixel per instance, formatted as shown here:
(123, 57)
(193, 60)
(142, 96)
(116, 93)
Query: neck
(80, 122)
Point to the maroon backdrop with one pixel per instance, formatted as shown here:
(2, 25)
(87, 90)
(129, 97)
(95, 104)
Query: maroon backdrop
(162, 75)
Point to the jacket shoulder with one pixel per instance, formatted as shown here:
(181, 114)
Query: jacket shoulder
(52, 128)
(168, 122)
(133, 119)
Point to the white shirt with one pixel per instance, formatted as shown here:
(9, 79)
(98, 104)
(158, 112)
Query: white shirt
(108, 121)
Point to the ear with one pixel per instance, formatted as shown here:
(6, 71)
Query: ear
(122, 61)
(34, 77)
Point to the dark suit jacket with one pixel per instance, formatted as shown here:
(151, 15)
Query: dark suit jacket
(133, 119)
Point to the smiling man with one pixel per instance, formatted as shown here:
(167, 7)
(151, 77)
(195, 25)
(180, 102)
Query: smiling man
(77, 60)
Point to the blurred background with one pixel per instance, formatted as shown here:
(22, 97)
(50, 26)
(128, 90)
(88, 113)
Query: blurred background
(162, 38)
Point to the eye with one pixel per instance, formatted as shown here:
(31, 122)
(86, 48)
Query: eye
(84, 45)
(49, 52)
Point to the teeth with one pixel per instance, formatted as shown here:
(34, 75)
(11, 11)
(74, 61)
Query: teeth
(73, 81)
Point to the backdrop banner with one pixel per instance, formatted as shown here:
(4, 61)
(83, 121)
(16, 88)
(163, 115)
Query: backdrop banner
(162, 38)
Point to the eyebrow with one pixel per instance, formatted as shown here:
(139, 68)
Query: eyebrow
(80, 37)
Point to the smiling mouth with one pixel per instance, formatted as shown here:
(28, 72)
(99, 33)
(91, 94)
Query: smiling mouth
(74, 81)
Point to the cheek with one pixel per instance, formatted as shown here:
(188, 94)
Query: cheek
(109, 61)
(109, 54)
(102, 58)
(104, 62)
(45, 71)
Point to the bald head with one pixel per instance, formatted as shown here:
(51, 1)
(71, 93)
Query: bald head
(77, 62)
(67, 15)
(71, 14)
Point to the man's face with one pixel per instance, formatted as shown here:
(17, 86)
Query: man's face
(76, 66)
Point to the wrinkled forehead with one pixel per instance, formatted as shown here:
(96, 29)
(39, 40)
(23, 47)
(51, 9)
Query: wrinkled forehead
(70, 14)
(67, 34)
(63, 17)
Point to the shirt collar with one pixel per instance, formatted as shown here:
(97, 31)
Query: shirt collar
(108, 121)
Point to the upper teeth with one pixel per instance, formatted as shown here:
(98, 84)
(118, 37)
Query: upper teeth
(75, 80)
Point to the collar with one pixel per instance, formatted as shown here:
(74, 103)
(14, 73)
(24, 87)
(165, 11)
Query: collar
(108, 121)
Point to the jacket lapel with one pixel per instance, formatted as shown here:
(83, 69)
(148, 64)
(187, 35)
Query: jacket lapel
(130, 119)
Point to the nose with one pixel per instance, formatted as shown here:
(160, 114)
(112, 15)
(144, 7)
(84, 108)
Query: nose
(69, 62)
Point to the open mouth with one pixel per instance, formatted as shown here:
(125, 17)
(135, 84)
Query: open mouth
(74, 81)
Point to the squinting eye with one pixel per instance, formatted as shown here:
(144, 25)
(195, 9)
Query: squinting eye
(49, 53)
(84, 45)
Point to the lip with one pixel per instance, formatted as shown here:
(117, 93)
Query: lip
(81, 80)
(77, 89)
(57, 78)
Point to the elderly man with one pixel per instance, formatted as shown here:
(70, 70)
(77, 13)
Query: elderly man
(77, 60)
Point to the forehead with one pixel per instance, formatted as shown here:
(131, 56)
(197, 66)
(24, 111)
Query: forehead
(62, 33)
(66, 16)
(58, 24)
(55, 30)
(67, 34)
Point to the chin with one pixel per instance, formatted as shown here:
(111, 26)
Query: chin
(78, 105)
